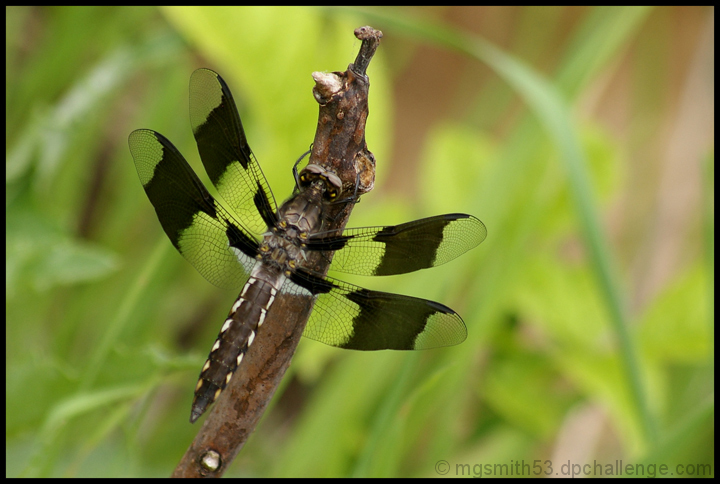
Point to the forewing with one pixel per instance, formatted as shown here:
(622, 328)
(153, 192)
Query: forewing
(399, 249)
(225, 152)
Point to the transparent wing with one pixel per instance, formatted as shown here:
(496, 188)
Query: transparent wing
(349, 316)
(209, 237)
(225, 152)
(399, 249)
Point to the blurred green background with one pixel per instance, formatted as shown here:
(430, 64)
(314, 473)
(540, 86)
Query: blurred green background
(582, 137)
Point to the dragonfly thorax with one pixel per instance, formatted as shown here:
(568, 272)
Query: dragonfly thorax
(299, 216)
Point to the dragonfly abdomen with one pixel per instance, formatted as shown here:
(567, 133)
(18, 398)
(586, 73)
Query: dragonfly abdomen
(237, 334)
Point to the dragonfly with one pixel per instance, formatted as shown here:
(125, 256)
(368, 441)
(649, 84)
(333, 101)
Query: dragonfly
(249, 244)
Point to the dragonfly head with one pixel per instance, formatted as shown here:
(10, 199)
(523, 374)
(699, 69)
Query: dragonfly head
(325, 179)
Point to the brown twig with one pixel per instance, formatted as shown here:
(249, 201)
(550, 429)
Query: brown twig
(370, 41)
(340, 144)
